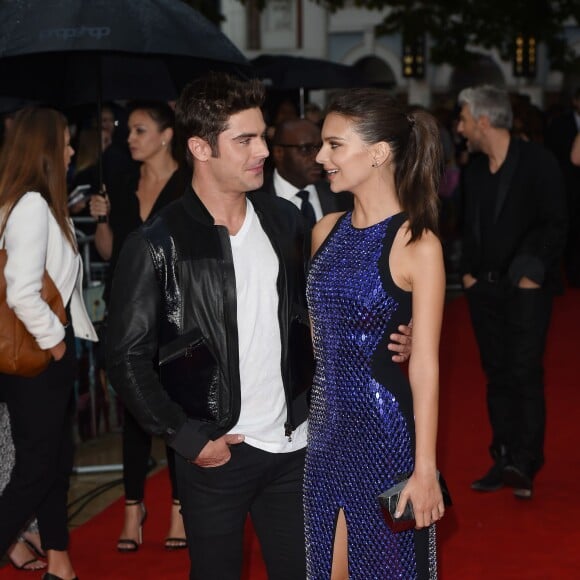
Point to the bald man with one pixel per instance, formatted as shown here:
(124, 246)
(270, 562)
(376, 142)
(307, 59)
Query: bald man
(295, 145)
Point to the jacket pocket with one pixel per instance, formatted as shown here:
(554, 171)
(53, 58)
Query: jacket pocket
(189, 373)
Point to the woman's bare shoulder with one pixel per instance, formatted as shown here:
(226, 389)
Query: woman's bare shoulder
(323, 228)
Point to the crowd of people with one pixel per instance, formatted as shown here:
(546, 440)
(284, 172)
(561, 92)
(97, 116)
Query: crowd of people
(281, 262)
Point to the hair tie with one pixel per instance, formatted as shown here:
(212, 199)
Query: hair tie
(411, 120)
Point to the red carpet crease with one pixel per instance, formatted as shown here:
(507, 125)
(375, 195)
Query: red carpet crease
(483, 536)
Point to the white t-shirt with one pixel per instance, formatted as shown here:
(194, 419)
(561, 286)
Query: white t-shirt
(263, 402)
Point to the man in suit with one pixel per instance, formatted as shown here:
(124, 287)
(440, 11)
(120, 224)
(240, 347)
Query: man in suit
(514, 235)
(560, 138)
(297, 177)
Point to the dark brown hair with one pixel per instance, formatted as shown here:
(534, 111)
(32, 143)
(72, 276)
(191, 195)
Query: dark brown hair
(415, 144)
(205, 105)
(32, 159)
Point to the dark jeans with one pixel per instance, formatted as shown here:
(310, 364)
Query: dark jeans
(41, 421)
(136, 453)
(215, 503)
(511, 326)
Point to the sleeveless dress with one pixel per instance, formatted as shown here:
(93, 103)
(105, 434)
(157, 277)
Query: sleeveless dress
(361, 428)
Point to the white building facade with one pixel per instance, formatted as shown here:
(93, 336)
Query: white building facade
(305, 28)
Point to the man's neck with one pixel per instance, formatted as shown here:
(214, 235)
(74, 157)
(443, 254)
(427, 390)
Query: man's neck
(497, 148)
(227, 208)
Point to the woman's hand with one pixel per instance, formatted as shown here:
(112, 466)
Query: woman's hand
(58, 350)
(99, 206)
(424, 492)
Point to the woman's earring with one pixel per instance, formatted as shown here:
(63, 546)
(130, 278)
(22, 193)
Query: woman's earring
(163, 143)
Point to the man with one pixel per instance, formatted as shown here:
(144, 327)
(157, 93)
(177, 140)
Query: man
(560, 138)
(297, 177)
(208, 339)
(514, 232)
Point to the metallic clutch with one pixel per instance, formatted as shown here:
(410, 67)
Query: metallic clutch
(390, 498)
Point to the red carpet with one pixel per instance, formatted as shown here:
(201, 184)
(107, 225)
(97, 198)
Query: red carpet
(495, 536)
(484, 536)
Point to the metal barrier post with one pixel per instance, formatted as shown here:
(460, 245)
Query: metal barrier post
(90, 268)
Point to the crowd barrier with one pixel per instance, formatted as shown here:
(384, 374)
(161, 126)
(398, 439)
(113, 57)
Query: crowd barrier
(98, 409)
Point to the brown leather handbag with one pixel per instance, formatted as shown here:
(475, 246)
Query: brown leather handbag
(19, 351)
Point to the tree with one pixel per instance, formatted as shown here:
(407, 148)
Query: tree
(454, 25)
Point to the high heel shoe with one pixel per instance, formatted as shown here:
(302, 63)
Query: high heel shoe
(27, 538)
(175, 543)
(127, 544)
(19, 552)
(49, 576)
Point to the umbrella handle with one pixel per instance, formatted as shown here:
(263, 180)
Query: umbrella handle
(102, 219)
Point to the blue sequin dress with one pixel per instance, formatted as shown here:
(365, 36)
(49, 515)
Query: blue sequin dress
(361, 429)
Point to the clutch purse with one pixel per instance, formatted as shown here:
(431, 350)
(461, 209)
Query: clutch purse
(390, 498)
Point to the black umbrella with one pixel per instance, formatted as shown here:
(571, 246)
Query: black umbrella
(66, 52)
(75, 51)
(284, 72)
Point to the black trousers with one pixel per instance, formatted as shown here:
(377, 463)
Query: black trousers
(216, 501)
(41, 410)
(136, 443)
(136, 453)
(511, 326)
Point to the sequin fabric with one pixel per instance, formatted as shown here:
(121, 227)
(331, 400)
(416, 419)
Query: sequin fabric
(6, 447)
(7, 455)
(359, 440)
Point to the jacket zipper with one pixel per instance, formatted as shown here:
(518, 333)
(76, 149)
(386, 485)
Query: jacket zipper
(229, 289)
(283, 307)
(185, 351)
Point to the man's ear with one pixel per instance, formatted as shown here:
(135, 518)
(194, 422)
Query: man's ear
(483, 122)
(199, 148)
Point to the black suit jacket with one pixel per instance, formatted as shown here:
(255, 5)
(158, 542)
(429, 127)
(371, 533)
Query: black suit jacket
(529, 217)
(329, 201)
(559, 139)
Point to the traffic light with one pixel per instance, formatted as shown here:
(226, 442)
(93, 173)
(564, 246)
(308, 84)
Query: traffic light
(525, 56)
(414, 57)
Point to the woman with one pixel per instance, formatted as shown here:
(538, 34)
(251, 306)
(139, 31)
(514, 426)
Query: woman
(38, 235)
(372, 269)
(155, 181)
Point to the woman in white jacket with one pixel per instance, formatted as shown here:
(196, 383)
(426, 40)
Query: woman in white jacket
(38, 235)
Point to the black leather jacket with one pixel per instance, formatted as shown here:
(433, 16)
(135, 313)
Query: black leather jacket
(172, 330)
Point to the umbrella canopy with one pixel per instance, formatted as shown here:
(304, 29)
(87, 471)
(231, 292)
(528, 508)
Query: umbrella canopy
(286, 72)
(66, 52)
(75, 51)
(283, 72)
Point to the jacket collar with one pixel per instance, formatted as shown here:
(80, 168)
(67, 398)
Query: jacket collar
(194, 207)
